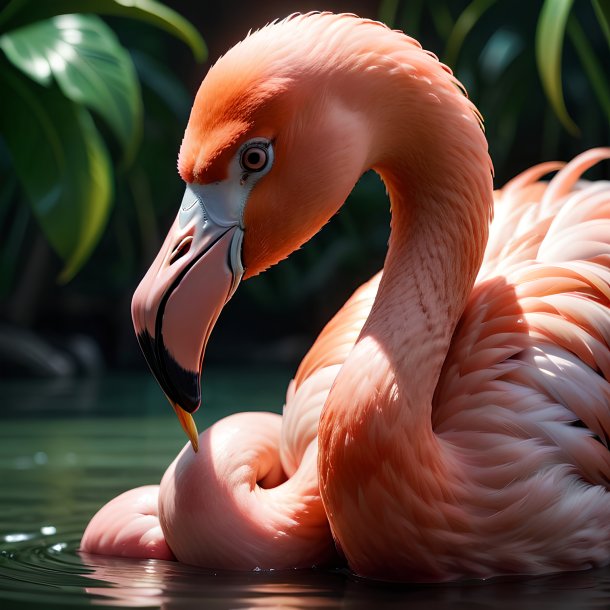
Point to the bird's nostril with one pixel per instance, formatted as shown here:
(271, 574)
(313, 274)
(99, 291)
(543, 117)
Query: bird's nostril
(181, 249)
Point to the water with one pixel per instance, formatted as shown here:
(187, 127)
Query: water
(68, 447)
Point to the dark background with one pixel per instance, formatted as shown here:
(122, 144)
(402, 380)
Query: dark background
(86, 325)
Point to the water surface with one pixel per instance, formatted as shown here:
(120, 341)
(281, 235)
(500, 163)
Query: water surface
(67, 447)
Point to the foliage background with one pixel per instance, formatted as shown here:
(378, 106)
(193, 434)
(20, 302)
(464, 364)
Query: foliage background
(490, 45)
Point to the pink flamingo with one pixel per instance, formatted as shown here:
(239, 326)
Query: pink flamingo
(461, 401)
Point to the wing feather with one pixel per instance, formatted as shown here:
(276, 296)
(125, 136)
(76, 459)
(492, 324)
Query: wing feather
(530, 358)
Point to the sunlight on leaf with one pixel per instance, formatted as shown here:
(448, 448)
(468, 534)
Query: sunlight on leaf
(90, 66)
(550, 35)
(98, 196)
(19, 13)
(61, 163)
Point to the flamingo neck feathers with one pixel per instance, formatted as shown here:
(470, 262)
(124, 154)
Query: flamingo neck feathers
(379, 459)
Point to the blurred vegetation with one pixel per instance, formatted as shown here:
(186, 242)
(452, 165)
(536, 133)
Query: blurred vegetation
(72, 100)
(537, 70)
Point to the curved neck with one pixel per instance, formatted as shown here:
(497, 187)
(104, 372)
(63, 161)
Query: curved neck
(439, 231)
(429, 148)
(376, 430)
(432, 157)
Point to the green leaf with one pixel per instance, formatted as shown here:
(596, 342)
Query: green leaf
(550, 34)
(594, 71)
(602, 10)
(19, 13)
(61, 163)
(464, 23)
(88, 63)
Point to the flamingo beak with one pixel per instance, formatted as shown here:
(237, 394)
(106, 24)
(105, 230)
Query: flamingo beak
(181, 296)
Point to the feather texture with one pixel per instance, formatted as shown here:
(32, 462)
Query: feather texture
(458, 405)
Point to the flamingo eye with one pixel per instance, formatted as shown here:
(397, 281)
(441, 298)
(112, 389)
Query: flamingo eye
(254, 158)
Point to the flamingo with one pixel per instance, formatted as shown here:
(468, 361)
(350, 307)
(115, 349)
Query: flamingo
(453, 419)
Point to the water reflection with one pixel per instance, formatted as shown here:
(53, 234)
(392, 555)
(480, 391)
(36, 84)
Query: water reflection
(172, 585)
(55, 573)
(176, 586)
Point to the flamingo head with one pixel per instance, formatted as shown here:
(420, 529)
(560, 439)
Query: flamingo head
(269, 155)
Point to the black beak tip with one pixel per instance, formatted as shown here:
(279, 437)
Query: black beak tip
(183, 386)
(180, 385)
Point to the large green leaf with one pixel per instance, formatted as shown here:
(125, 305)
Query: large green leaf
(550, 35)
(61, 162)
(19, 13)
(89, 64)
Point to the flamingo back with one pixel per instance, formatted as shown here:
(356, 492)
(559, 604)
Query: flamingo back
(524, 394)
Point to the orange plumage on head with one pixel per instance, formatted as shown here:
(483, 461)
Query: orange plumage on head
(249, 93)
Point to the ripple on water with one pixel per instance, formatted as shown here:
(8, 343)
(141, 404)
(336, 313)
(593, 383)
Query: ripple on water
(49, 570)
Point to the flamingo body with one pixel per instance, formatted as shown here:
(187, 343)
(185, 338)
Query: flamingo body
(521, 411)
(458, 406)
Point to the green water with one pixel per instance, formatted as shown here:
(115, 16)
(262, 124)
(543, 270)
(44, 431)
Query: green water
(68, 447)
